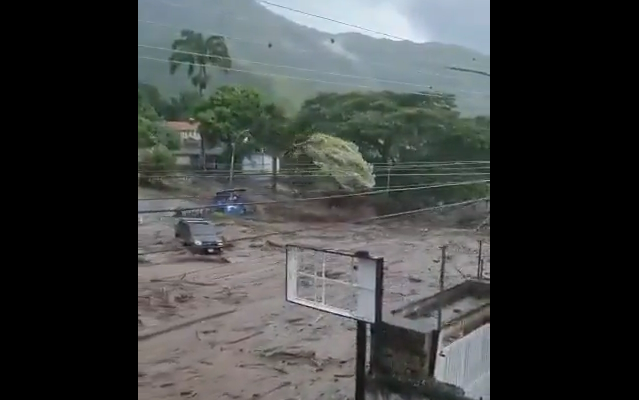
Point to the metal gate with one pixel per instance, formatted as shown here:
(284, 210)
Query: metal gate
(466, 363)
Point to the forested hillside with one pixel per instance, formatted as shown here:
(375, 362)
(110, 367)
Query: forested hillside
(256, 36)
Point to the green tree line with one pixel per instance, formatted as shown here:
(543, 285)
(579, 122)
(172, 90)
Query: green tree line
(386, 127)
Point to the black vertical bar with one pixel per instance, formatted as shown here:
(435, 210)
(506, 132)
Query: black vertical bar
(377, 324)
(286, 271)
(480, 273)
(360, 362)
(442, 274)
(379, 289)
(432, 354)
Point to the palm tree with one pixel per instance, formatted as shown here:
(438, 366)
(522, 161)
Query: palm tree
(196, 53)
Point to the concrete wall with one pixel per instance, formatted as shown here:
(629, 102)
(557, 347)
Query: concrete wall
(404, 347)
(400, 351)
(427, 389)
(466, 363)
(402, 364)
(183, 161)
(256, 163)
(462, 326)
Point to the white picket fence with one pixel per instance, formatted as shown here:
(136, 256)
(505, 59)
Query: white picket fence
(466, 363)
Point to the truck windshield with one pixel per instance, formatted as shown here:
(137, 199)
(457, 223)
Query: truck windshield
(203, 229)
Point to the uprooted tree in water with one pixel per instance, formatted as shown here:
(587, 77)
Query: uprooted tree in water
(340, 165)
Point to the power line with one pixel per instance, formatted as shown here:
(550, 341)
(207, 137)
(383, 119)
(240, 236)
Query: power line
(318, 172)
(241, 171)
(372, 88)
(300, 12)
(249, 171)
(480, 166)
(309, 175)
(443, 163)
(370, 219)
(411, 212)
(167, 210)
(397, 166)
(359, 221)
(270, 192)
(453, 68)
(191, 6)
(470, 70)
(335, 21)
(312, 167)
(426, 87)
(177, 173)
(265, 43)
(424, 164)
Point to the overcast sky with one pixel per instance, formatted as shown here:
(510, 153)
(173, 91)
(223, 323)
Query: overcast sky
(462, 22)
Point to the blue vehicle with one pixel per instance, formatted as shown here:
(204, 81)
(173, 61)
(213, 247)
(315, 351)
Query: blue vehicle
(230, 202)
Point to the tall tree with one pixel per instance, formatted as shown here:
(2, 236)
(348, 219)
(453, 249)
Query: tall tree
(196, 52)
(230, 111)
(182, 107)
(152, 96)
(274, 134)
(391, 128)
(235, 113)
(152, 130)
(381, 123)
(229, 117)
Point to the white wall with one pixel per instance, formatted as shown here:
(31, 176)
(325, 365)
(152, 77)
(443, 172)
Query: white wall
(183, 160)
(259, 163)
(465, 363)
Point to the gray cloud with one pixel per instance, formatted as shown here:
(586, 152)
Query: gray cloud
(461, 22)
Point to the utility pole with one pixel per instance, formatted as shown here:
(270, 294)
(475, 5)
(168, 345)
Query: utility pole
(480, 272)
(388, 177)
(232, 163)
(442, 275)
(244, 135)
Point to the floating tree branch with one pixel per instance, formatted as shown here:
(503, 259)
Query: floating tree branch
(472, 71)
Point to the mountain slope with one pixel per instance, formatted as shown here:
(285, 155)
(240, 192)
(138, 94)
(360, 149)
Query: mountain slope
(412, 67)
